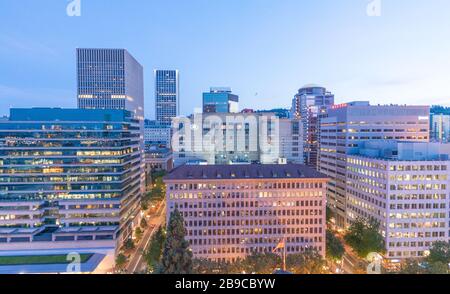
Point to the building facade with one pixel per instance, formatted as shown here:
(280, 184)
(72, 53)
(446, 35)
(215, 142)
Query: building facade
(233, 211)
(68, 177)
(167, 96)
(110, 79)
(220, 100)
(405, 187)
(307, 106)
(157, 135)
(440, 128)
(242, 138)
(344, 127)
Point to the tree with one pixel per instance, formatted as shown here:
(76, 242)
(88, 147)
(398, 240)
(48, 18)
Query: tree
(153, 253)
(129, 244)
(364, 237)
(138, 233)
(329, 214)
(121, 260)
(437, 268)
(261, 263)
(335, 248)
(411, 267)
(177, 257)
(143, 223)
(205, 266)
(308, 262)
(439, 252)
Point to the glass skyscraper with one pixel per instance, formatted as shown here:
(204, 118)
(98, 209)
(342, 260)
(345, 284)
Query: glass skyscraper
(68, 175)
(167, 96)
(110, 79)
(220, 100)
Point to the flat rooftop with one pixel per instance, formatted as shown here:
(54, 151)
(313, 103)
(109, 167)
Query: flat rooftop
(251, 171)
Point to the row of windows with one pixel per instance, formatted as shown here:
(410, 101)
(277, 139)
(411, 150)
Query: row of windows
(241, 186)
(249, 232)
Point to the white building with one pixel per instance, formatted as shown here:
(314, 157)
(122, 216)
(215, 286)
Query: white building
(156, 135)
(343, 128)
(224, 138)
(405, 186)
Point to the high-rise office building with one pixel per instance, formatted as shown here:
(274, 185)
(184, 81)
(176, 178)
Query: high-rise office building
(69, 179)
(167, 96)
(110, 79)
(306, 106)
(344, 127)
(232, 211)
(405, 187)
(220, 100)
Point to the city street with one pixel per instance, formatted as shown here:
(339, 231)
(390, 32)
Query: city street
(137, 261)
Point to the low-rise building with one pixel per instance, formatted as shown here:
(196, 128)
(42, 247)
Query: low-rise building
(156, 135)
(231, 211)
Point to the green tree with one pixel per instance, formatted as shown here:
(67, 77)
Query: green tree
(261, 263)
(129, 244)
(335, 248)
(364, 237)
(143, 223)
(121, 261)
(138, 233)
(437, 268)
(411, 267)
(205, 266)
(153, 253)
(329, 214)
(177, 257)
(439, 252)
(308, 262)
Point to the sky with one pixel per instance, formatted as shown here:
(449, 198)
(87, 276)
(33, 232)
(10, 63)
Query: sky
(265, 50)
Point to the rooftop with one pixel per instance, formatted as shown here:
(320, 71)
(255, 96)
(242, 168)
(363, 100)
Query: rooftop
(68, 114)
(251, 171)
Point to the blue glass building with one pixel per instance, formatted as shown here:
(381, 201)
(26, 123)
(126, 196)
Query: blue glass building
(68, 175)
(220, 100)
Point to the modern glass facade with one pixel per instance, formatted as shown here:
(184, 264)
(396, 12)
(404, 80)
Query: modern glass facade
(220, 100)
(67, 170)
(167, 96)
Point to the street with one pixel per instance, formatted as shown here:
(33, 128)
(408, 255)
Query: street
(137, 261)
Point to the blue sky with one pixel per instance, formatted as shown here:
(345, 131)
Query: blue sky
(264, 49)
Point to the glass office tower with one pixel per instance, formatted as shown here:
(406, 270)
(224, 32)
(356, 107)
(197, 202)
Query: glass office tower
(220, 100)
(167, 96)
(68, 175)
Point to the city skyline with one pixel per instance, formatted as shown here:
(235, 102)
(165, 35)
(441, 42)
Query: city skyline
(372, 58)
